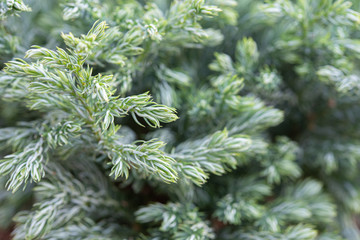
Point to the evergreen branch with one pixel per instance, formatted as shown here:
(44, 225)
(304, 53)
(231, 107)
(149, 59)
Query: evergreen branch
(11, 7)
(242, 203)
(301, 204)
(280, 161)
(25, 164)
(215, 154)
(298, 232)
(181, 221)
(343, 83)
(64, 201)
(146, 156)
(92, 99)
(142, 106)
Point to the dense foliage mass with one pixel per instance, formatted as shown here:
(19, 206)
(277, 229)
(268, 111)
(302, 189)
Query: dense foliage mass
(180, 119)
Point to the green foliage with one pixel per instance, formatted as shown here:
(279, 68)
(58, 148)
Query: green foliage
(252, 131)
(10, 7)
(177, 221)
